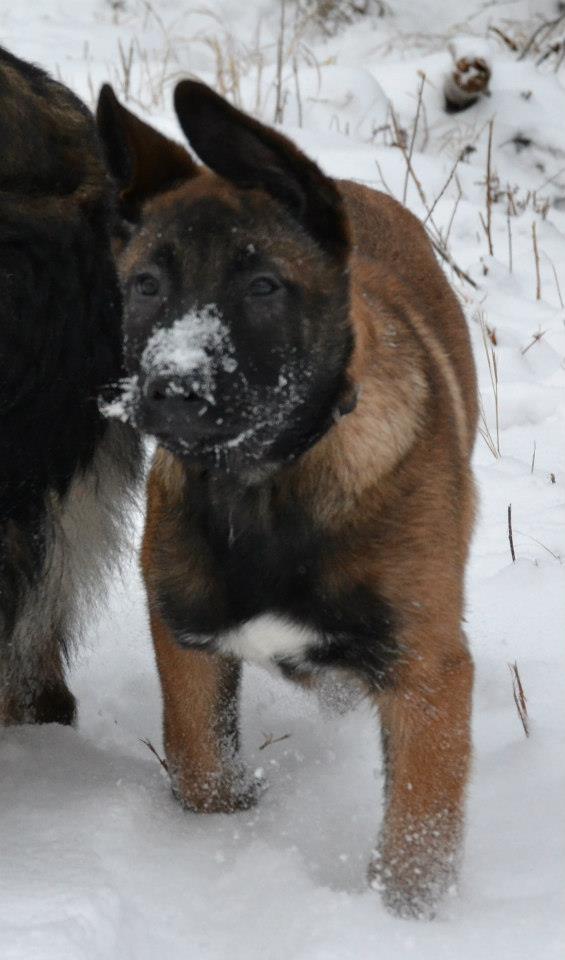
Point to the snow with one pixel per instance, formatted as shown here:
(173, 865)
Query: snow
(185, 350)
(98, 861)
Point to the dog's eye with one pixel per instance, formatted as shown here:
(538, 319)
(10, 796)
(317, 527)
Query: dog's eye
(147, 284)
(262, 286)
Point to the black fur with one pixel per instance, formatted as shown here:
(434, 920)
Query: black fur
(60, 345)
(237, 147)
(267, 557)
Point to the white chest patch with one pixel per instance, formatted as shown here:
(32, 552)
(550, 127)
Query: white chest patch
(269, 638)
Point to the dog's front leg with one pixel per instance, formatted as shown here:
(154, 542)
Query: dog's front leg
(200, 703)
(426, 738)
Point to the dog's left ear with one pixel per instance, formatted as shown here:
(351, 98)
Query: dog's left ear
(142, 161)
(249, 154)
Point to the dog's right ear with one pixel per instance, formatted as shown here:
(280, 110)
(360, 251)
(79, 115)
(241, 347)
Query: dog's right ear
(142, 161)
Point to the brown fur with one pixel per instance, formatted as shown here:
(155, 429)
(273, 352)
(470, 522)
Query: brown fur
(390, 482)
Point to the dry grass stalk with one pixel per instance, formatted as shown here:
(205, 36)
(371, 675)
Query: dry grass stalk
(536, 337)
(454, 211)
(510, 534)
(519, 697)
(556, 556)
(161, 760)
(485, 432)
(545, 29)
(434, 233)
(279, 107)
(413, 137)
(489, 191)
(444, 188)
(492, 444)
(509, 231)
(556, 278)
(508, 41)
(270, 739)
(536, 258)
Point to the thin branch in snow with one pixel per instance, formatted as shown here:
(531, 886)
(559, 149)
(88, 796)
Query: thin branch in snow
(536, 337)
(161, 760)
(443, 189)
(488, 195)
(489, 341)
(270, 739)
(413, 137)
(454, 211)
(536, 257)
(544, 546)
(433, 230)
(552, 265)
(548, 26)
(519, 697)
(279, 107)
(510, 534)
(509, 231)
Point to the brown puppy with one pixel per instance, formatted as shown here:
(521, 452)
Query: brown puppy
(306, 369)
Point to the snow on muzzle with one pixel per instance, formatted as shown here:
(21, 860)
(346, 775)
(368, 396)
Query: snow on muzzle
(180, 370)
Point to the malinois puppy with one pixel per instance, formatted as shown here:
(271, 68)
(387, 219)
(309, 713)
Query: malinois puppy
(64, 470)
(299, 356)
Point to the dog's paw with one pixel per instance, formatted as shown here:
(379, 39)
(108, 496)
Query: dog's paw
(228, 791)
(411, 885)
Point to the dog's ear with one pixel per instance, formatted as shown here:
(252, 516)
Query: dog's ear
(142, 161)
(249, 154)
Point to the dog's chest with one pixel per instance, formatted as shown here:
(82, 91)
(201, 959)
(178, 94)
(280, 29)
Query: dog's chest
(269, 598)
(270, 640)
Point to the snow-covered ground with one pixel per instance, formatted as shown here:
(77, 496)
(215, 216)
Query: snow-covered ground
(97, 862)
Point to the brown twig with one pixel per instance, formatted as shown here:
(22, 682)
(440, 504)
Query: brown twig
(544, 546)
(453, 212)
(436, 238)
(519, 697)
(270, 739)
(280, 56)
(445, 255)
(510, 534)
(536, 257)
(489, 345)
(547, 25)
(413, 137)
(400, 143)
(509, 231)
(505, 38)
(556, 278)
(536, 337)
(150, 747)
(488, 226)
(443, 189)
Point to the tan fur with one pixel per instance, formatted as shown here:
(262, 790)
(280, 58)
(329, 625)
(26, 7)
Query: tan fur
(200, 725)
(391, 481)
(405, 434)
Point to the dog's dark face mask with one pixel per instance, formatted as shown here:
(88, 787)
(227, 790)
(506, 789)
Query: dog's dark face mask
(236, 296)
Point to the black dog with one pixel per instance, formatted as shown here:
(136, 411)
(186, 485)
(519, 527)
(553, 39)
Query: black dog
(63, 470)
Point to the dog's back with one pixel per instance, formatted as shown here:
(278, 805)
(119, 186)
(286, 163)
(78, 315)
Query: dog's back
(62, 469)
